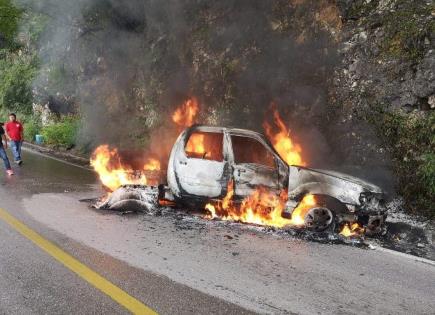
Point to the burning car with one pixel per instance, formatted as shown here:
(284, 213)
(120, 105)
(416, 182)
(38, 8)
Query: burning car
(210, 163)
(236, 174)
(240, 175)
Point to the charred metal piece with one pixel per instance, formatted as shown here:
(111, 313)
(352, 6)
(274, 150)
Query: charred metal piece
(137, 198)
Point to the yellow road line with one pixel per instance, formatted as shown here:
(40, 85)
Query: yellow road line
(105, 286)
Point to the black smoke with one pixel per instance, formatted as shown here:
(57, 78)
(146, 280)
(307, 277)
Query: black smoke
(131, 63)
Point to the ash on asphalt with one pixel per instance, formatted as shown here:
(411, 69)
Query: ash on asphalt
(404, 233)
(408, 234)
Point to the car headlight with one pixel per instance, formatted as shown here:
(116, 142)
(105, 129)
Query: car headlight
(366, 198)
(363, 198)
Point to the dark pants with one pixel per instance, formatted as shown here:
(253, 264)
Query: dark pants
(4, 157)
(16, 149)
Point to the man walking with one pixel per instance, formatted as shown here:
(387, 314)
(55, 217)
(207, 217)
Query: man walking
(14, 130)
(3, 154)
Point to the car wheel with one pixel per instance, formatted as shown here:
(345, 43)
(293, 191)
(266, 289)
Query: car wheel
(319, 218)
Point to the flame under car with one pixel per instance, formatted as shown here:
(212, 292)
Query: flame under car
(237, 175)
(205, 161)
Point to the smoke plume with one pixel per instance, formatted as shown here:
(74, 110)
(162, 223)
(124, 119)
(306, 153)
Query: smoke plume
(131, 63)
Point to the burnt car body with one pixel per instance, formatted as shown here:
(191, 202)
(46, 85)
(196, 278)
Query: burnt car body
(249, 160)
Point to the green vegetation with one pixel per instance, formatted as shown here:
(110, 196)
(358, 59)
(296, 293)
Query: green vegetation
(427, 172)
(61, 133)
(19, 66)
(32, 127)
(9, 20)
(408, 40)
(411, 142)
(17, 72)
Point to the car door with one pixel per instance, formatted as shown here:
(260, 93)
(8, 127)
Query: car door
(201, 167)
(254, 165)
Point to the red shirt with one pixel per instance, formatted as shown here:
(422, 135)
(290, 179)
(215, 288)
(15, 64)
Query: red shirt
(14, 130)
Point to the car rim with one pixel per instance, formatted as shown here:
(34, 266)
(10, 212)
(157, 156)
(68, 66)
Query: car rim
(318, 218)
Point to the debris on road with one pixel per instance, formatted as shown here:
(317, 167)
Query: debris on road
(402, 237)
(136, 198)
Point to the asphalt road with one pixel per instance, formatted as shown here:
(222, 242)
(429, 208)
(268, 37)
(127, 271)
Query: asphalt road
(182, 264)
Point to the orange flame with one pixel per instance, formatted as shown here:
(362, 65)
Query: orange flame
(281, 141)
(262, 207)
(298, 214)
(351, 230)
(196, 144)
(113, 174)
(152, 165)
(185, 114)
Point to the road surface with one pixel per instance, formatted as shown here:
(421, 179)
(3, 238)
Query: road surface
(182, 264)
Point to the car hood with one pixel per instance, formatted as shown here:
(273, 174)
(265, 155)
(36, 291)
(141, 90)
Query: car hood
(366, 185)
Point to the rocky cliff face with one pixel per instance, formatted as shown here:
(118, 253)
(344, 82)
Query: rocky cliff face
(388, 50)
(385, 87)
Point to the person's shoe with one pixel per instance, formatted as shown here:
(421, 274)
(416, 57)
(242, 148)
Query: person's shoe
(10, 172)
(19, 162)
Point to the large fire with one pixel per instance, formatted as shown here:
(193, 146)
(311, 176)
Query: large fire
(113, 173)
(281, 141)
(262, 207)
(185, 115)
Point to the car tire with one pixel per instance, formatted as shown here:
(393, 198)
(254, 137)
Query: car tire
(319, 218)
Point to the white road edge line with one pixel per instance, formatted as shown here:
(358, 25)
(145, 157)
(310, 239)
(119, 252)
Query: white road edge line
(55, 158)
(415, 258)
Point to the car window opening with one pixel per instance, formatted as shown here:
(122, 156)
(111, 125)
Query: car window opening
(205, 145)
(249, 150)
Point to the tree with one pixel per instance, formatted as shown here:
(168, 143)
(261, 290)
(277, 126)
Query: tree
(9, 21)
